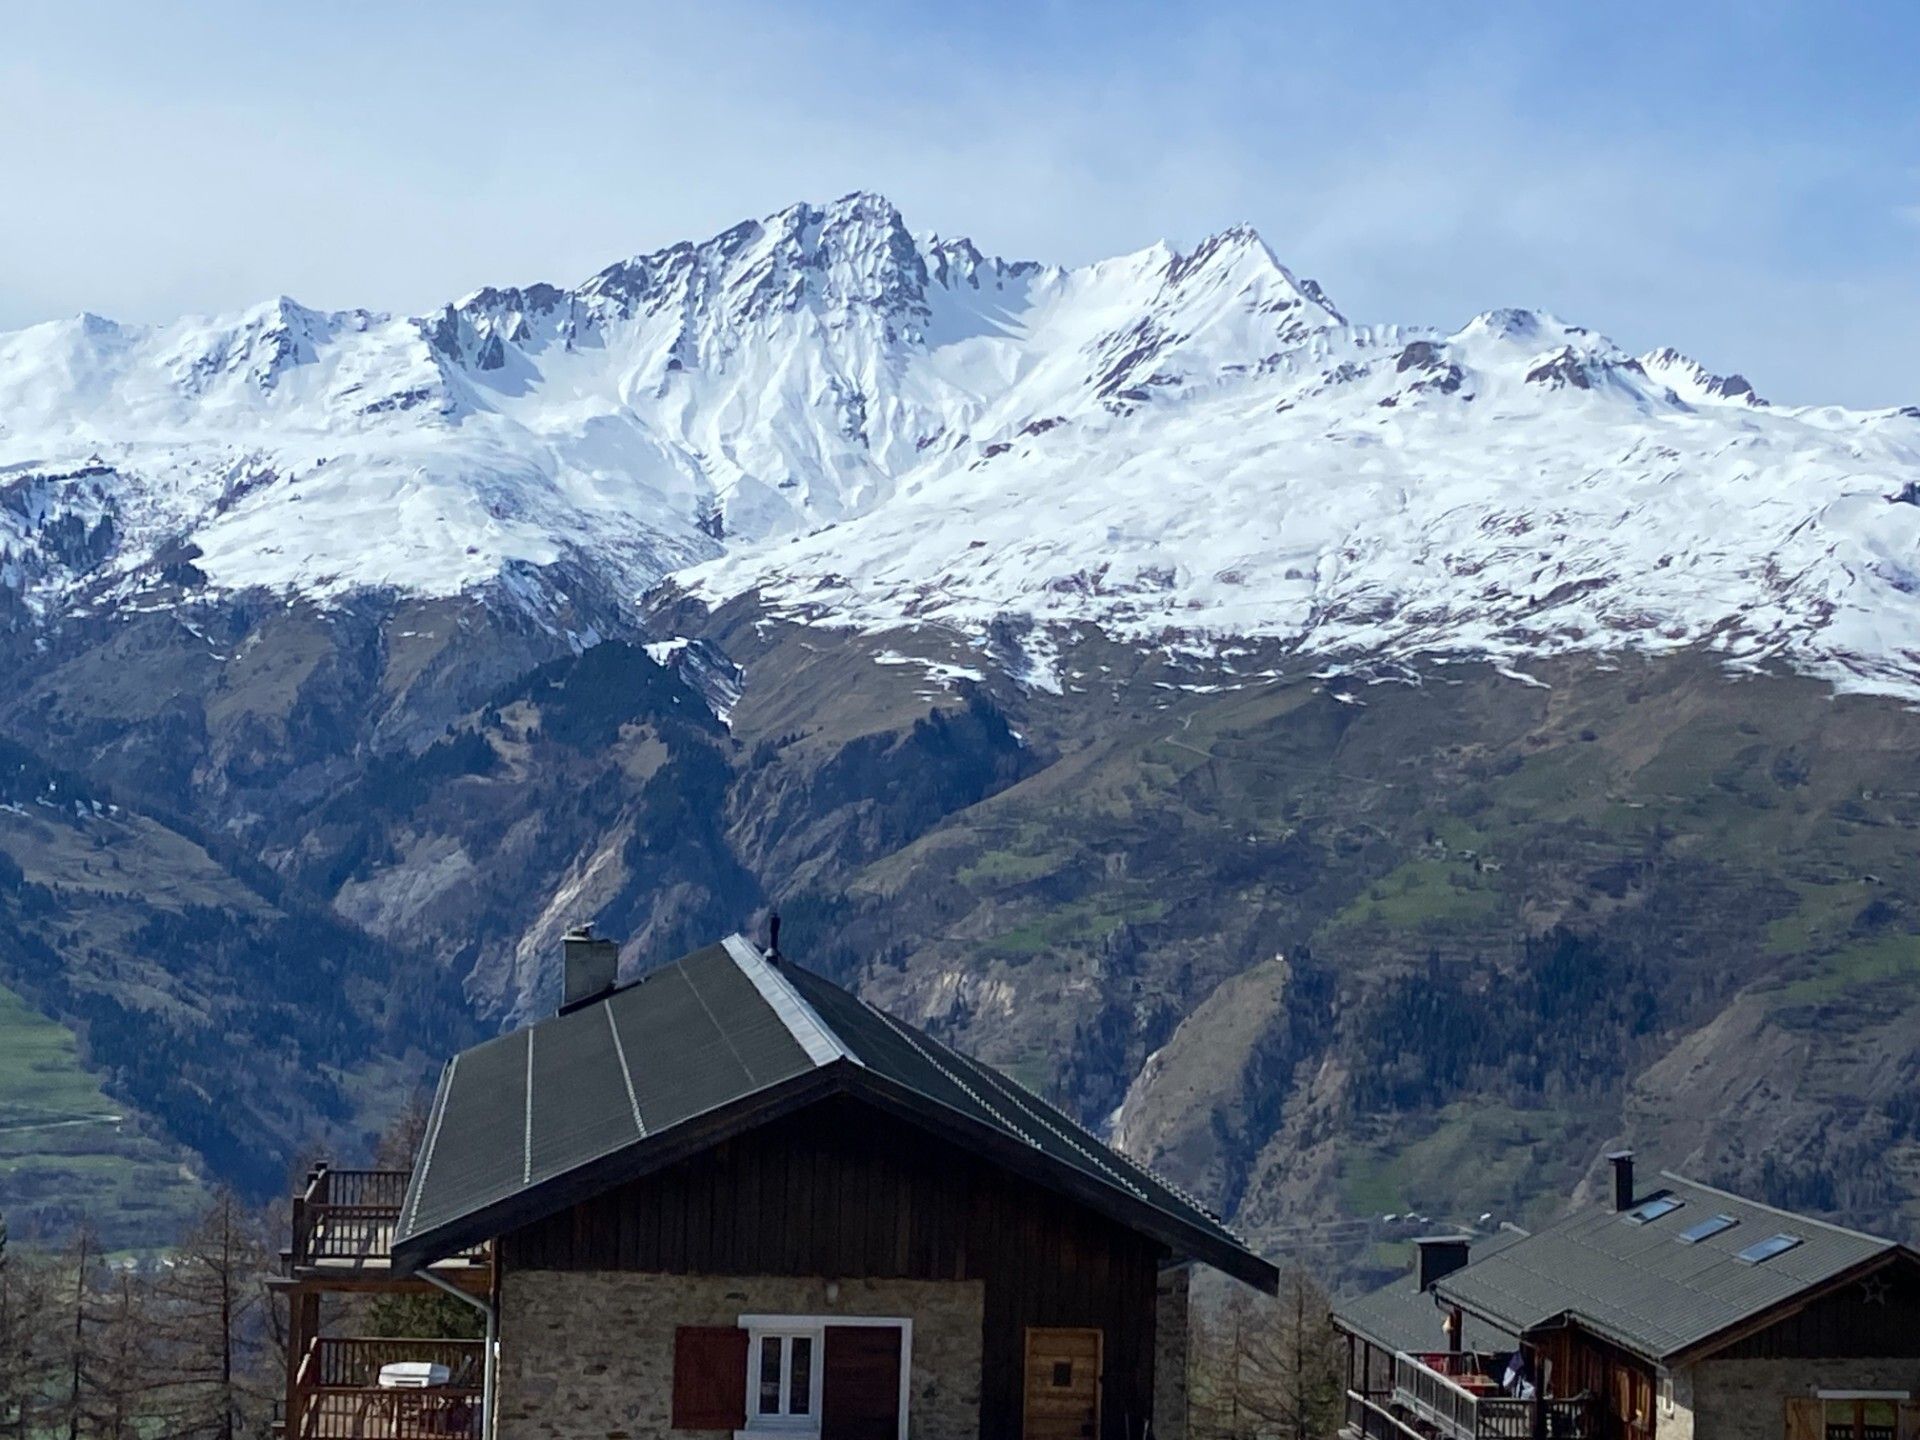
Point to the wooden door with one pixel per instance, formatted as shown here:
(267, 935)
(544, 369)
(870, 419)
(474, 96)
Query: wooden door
(860, 1383)
(1063, 1384)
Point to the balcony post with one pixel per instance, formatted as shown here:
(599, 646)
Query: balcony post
(303, 1326)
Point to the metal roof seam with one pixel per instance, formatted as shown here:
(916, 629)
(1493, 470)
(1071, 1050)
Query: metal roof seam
(803, 1022)
(526, 1144)
(693, 988)
(626, 1071)
(959, 1084)
(1005, 1088)
(419, 1181)
(1094, 1154)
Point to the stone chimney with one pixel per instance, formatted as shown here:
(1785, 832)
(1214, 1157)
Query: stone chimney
(1622, 1162)
(592, 964)
(1440, 1256)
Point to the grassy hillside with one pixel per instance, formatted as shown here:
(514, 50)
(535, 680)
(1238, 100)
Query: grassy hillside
(1518, 918)
(67, 1150)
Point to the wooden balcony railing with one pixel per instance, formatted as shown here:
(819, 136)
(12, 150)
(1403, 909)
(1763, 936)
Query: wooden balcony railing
(346, 1218)
(1370, 1417)
(338, 1395)
(353, 1362)
(1423, 1393)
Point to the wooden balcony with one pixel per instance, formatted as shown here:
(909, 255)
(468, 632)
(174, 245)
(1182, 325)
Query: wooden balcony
(1451, 1397)
(345, 1219)
(344, 1222)
(1457, 1397)
(337, 1394)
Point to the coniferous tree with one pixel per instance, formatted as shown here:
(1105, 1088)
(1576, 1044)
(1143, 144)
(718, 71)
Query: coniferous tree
(123, 1378)
(28, 1353)
(77, 1277)
(22, 1321)
(214, 1305)
(1268, 1369)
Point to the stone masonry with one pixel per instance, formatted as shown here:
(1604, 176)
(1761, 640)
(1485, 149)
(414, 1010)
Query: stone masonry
(589, 1355)
(1747, 1399)
(1171, 1359)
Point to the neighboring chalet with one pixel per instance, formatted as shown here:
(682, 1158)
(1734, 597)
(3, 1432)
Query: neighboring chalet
(1678, 1312)
(732, 1199)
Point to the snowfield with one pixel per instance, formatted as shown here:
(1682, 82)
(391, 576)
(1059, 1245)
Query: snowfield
(871, 429)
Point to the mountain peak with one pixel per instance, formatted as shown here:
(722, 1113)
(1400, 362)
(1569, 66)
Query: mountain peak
(1187, 438)
(865, 205)
(1238, 257)
(1694, 383)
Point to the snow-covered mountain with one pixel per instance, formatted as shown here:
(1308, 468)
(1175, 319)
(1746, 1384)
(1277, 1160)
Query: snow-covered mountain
(873, 428)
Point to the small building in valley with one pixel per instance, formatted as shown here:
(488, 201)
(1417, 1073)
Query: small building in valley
(732, 1199)
(1675, 1311)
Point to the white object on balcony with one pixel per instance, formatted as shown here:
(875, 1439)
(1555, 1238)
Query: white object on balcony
(413, 1375)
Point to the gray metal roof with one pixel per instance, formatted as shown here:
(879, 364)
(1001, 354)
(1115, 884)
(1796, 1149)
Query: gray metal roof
(1402, 1316)
(1642, 1286)
(714, 1042)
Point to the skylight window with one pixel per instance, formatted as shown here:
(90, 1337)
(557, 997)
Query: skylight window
(1702, 1229)
(1653, 1209)
(1768, 1248)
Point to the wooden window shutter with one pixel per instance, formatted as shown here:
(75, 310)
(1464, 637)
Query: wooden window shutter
(1806, 1419)
(1910, 1422)
(860, 1383)
(709, 1377)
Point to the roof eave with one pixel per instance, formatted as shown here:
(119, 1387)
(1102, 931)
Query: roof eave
(1183, 1238)
(1361, 1332)
(1486, 1312)
(1726, 1335)
(423, 1159)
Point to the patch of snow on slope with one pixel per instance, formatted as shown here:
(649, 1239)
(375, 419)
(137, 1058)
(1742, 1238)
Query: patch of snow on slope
(875, 429)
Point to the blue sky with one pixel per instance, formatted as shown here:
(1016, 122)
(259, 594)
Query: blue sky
(1740, 181)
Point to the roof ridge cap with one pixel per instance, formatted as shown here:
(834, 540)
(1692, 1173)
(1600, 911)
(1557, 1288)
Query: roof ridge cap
(810, 1031)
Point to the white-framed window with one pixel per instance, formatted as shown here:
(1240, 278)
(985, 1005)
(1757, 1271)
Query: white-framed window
(787, 1374)
(783, 1379)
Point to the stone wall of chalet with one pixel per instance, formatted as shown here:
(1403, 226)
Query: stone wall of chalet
(1747, 1399)
(589, 1355)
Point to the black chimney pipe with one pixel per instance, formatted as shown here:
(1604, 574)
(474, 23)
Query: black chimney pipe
(1440, 1256)
(1622, 1162)
(773, 936)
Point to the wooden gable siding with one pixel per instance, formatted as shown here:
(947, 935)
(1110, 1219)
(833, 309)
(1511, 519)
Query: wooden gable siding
(1874, 1316)
(841, 1190)
(1623, 1384)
